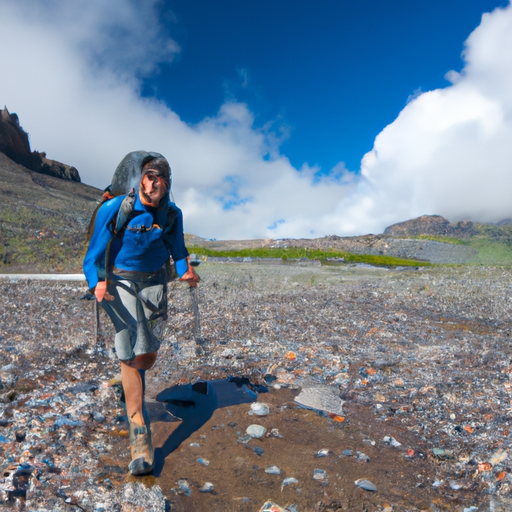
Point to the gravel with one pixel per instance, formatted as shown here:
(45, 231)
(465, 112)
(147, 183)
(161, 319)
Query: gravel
(423, 355)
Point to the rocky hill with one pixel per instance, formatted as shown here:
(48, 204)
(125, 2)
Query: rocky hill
(15, 144)
(433, 225)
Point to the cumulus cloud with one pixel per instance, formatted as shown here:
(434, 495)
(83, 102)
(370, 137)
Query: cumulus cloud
(449, 150)
(73, 70)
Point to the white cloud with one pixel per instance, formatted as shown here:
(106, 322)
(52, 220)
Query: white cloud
(72, 71)
(449, 150)
(91, 115)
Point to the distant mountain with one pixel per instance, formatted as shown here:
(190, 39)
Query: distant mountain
(15, 144)
(432, 225)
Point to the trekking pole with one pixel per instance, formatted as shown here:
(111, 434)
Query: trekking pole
(194, 262)
(195, 309)
(97, 326)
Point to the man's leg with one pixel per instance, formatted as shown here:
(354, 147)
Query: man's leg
(132, 378)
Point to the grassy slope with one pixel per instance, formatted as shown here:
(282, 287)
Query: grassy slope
(494, 243)
(42, 220)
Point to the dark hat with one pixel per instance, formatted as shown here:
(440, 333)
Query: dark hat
(129, 171)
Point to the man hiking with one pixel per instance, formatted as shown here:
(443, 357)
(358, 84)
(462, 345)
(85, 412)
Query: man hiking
(133, 236)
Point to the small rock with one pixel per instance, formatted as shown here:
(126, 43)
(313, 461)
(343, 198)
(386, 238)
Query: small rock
(207, 487)
(347, 453)
(366, 485)
(256, 431)
(320, 398)
(275, 433)
(409, 454)
(20, 436)
(202, 461)
(363, 457)
(84, 387)
(184, 488)
(273, 470)
(259, 451)
(498, 457)
(259, 409)
(289, 481)
(320, 475)
(441, 453)
(437, 483)
(97, 416)
(270, 506)
(392, 441)
(323, 452)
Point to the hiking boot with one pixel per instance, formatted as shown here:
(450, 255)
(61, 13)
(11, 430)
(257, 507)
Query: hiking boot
(141, 446)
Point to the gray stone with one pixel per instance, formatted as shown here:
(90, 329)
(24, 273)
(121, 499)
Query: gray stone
(320, 475)
(320, 398)
(366, 485)
(207, 487)
(289, 481)
(256, 431)
(273, 470)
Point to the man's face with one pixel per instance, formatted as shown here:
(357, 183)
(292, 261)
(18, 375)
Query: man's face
(153, 186)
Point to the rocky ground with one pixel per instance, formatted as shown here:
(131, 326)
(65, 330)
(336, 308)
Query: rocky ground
(420, 358)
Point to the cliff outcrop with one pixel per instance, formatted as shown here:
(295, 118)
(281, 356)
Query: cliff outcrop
(15, 144)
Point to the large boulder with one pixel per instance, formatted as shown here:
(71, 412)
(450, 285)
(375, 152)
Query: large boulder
(14, 143)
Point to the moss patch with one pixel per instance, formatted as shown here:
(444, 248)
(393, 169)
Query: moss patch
(297, 253)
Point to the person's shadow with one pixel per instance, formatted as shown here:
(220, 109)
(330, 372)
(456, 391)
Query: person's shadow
(194, 404)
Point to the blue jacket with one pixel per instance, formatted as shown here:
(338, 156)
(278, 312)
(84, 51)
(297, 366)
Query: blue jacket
(149, 238)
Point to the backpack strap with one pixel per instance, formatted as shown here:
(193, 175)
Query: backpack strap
(125, 211)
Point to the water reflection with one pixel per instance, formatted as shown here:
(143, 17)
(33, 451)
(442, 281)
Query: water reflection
(194, 405)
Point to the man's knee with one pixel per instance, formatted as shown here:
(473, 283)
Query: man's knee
(142, 361)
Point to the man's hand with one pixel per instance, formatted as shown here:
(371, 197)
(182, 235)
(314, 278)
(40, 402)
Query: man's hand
(190, 275)
(100, 292)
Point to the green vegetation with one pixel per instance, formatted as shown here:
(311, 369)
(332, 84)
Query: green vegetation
(297, 253)
(501, 234)
(491, 253)
(39, 240)
(493, 243)
(439, 238)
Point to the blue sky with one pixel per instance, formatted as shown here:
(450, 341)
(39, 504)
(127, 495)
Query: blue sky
(332, 73)
(282, 118)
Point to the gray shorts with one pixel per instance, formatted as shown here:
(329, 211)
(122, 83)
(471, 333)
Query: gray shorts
(138, 311)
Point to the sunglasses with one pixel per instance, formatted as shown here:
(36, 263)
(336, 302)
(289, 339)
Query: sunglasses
(155, 177)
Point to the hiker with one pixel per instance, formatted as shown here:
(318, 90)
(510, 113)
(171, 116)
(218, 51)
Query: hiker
(132, 237)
